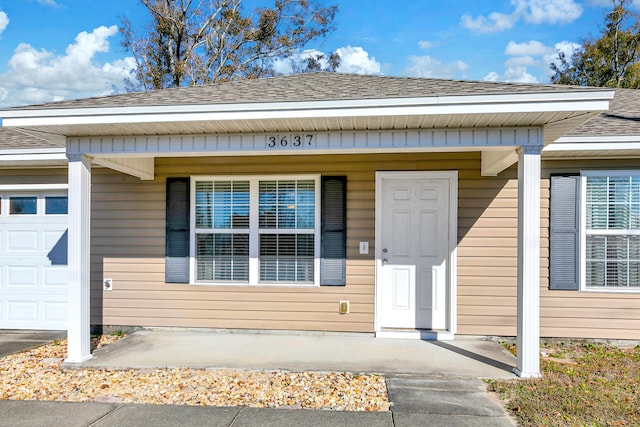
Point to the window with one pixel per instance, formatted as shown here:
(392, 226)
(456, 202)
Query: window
(23, 205)
(256, 231)
(611, 230)
(55, 205)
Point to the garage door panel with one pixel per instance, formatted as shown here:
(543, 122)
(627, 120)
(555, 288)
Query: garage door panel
(23, 241)
(22, 276)
(56, 247)
(33, 265)
(55, 277)
(55, 312)
(24, 312)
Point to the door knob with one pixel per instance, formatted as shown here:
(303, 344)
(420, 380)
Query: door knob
(384, 261)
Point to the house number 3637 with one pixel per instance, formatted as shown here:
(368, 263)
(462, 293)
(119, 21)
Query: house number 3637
(288, 141)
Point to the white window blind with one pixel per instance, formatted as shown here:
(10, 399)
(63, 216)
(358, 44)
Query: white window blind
(612, 255)
(222, 236)
(287, 217)
(273, 221)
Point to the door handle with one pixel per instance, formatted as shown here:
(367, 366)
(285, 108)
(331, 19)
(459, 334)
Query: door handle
(384, 261)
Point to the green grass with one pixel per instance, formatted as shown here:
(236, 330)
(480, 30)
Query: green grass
(583, 384)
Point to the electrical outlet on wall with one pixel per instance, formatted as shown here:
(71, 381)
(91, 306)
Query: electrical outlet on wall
(107, 284)
(344, 307)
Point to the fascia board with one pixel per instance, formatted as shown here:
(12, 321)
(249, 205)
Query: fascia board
(33, 187)
(26, 150)
(171, 114)
(597, 139)
(17, 157)
(593, 146)
(477, 104)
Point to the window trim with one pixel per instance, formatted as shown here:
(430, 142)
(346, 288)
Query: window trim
(584, 174)
(254, 230)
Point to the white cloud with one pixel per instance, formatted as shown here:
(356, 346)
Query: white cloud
(492, 77)
(533, 11)
(532, 47)
(4, 21)
(356, 60)
(531, 54)
(36, 76)
(48, 2)
(522, 60)
(426, 44)
(568, 48)
(295, 62)
(427, 66)
(353, 60)
(551, 11)
(493, 23)
(512, 75)
(519, 75)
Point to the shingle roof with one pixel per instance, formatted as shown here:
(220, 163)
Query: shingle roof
(623, 117)
(11, 139)
(321, 86)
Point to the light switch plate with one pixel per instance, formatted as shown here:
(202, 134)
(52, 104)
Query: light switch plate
(364, 248)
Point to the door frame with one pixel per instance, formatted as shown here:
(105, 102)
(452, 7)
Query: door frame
(451, 292)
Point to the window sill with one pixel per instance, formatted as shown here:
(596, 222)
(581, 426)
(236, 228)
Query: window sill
(612, 290)
(258, 285)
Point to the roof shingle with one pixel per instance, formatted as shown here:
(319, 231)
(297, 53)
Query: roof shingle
(321, 86)
(623, 117)
(11, 139)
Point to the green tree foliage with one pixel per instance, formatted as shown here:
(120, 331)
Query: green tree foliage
(609, 61)
(191, 42)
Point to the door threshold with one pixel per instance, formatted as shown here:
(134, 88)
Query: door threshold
(415, 334)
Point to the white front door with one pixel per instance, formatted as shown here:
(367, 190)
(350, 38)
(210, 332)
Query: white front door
(414, 249)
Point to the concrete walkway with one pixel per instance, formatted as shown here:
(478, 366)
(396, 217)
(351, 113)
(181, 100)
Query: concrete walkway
(62, 414)
(14, 340)
(429, 383)
(294, 352)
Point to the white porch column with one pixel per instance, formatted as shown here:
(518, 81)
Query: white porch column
(79, 263)
(528, 340)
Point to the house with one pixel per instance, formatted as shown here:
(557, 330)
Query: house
(33, 224)
(404, 207)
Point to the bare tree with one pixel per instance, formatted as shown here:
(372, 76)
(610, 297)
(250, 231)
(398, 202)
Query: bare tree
(190, 42)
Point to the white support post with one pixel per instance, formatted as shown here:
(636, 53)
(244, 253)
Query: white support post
(528, 339)
(79, 262)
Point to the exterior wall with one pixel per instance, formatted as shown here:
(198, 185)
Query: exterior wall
(128, 227)
(487, 254)
(584, 314)
(33, 176)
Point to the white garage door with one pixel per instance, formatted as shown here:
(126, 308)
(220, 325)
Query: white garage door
(33, 261)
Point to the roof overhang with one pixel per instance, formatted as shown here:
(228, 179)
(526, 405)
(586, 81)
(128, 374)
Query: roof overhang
(561, 111)
(29, 158)
(601, 147)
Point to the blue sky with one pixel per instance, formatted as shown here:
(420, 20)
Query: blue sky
(64, 49)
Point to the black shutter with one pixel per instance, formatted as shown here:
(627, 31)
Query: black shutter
(333, 258)
(177, 232)
(564, 233)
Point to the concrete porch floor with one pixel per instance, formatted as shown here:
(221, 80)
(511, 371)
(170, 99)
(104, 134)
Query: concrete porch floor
(159, 348)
